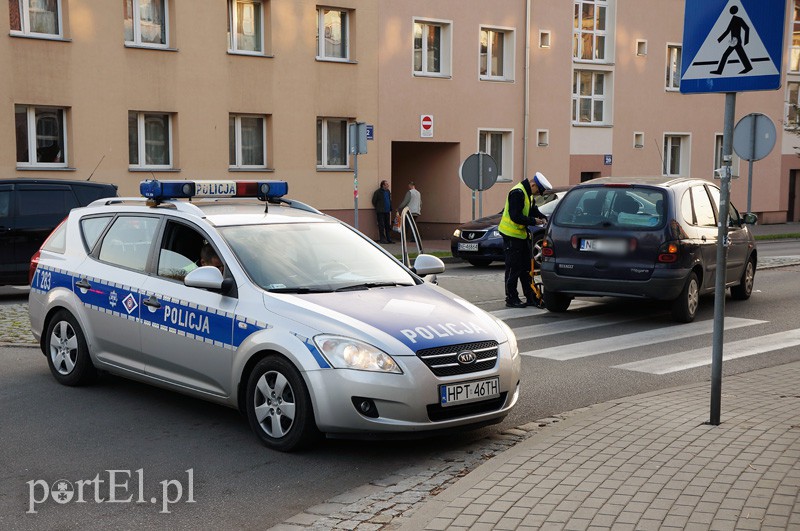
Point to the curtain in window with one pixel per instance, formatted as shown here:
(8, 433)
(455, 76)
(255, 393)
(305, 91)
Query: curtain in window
(248, 26)
(335, 30)
(252, 141)
(21, 126)
(497, 53)
(152, 21)
(434, 48)
(14, 15)
(156, 139)
(43, 15)
(417, 47)
(127, 7)
(49, 135)
(337, 142)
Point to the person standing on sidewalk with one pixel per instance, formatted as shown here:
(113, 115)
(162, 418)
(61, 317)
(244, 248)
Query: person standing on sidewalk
(382, 201)
(412, 200)
(520, 212)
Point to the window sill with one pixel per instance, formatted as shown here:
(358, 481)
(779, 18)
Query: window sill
(154, 48)
(669, 89)
(45, 168)
(588, 62)
(249, 54)
(244, 170)
(154, 170)
(433, 76)
(598, 126)
(331, 170)
(38, 37)
(334, 60)
(496, 79)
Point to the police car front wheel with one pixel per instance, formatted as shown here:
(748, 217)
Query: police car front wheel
(279, 406)
(67, 352)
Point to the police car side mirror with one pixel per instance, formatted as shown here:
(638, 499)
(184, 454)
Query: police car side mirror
(206, 277)
(426, 264)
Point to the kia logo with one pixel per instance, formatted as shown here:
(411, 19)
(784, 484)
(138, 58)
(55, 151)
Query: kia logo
(467, 357)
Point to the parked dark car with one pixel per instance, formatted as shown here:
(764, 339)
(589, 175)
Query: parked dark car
(29, 211)
(648, 238)
(480, 243)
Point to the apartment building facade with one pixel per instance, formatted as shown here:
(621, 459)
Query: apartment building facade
(250, 89)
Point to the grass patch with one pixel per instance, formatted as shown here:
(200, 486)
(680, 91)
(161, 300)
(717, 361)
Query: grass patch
(788, 236)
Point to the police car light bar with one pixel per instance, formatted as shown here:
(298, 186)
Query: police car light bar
(263, 190)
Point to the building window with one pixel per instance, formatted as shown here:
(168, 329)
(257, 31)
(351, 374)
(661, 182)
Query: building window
(498, 145)
(588, 97)
(676, 154)
(146, 22)
(246, 26)
(792, 119)
(149, 140)
(638, 140)
(794, 55)
(589, 30)
(332, 148)
(542, 137)
(40, 18)
(544, 39)
(431, 48)
(41, 136)
(333, 34)
(673, 77)
(641, 47)
(496, 54)
(247, 141)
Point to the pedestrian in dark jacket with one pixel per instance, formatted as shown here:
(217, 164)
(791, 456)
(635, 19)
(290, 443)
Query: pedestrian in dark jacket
(382, 201)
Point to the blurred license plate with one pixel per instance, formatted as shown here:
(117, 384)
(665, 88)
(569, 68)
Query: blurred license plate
(611, 246)
(467, 246)
(462, 393)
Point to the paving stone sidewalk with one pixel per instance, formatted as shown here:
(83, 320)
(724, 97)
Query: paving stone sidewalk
(645, 462)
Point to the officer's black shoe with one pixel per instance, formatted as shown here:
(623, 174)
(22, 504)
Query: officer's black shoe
(531, 302)
(515, 304)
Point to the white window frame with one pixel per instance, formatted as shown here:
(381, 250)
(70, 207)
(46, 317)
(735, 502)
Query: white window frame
(142, 142)
(347, 19)
(509, 44)
(641, 47)
(672, 78)
(604, 98)
(324, 140)
(233, 44)
(237, 140)
(30, 124)
(735, 160)
(596, 34)
(505, 171)
(685, 153)
(445, 48)
(542, 137)
(25, 21)
(544, 38)
(790, 106)
(137, 28)
(638, 139)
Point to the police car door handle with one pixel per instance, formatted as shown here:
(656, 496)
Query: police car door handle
(152, 302)
(83, 284)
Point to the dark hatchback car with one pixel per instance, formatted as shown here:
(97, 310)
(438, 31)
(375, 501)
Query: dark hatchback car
(480, 243)
(648, 238)
(29, 211)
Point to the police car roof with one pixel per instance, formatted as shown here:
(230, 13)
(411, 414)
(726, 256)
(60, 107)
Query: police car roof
(243, 212)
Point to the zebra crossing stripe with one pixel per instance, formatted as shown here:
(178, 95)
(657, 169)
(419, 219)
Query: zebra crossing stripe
(637, 339)
(512, 313)
(702, 356)
(567, 325)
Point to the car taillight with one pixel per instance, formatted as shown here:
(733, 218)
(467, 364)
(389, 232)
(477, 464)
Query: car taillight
(33, 266)
(668, 252)
(547, 248)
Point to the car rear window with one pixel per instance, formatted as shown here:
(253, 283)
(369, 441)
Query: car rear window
(57, 241)
(627, 207)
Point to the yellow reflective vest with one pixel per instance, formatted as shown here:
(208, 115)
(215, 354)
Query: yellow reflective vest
(507, 226)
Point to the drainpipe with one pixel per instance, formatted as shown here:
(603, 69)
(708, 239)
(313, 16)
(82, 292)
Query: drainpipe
(526, 102)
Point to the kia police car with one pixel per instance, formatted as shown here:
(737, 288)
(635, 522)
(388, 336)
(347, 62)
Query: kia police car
(272, 307)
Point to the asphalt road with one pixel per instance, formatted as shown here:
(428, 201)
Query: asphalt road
(50, 432)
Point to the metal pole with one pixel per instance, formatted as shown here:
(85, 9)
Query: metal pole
(750, 166)
(480, 184)
(355, 191)
(722, 251)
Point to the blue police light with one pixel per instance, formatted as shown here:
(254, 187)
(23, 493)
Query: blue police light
(263, 190)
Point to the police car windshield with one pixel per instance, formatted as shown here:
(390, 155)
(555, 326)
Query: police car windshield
(311, 258)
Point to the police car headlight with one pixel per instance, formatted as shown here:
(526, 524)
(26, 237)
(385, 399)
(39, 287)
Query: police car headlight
(512, 339)
(347, 353)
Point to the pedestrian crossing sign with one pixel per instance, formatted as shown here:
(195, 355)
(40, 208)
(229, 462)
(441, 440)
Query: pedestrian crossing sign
(732, 45)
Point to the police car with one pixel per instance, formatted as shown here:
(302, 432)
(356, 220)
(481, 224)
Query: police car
(297, 319)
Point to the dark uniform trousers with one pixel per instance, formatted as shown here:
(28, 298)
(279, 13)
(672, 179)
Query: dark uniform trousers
(518, 267)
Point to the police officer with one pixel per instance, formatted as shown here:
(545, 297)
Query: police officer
(520, 211)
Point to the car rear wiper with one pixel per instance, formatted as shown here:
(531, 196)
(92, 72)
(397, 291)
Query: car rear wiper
(368, 285)
(299, 290)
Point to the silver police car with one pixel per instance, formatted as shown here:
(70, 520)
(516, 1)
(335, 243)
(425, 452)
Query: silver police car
(295, 318)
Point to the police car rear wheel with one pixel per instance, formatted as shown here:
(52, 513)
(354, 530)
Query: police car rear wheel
(67, 352)
(279, 407)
